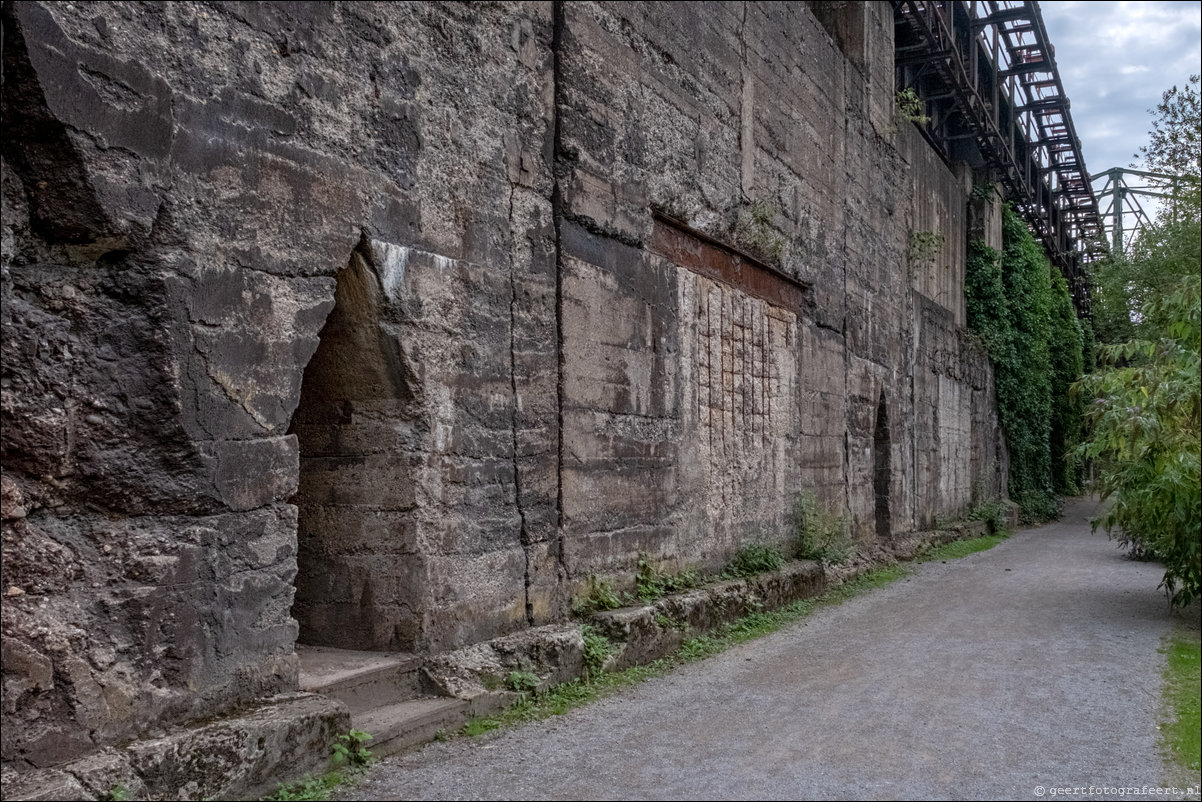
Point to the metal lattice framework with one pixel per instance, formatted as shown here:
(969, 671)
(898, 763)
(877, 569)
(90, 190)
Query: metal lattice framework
(1122, 213)
(992, 96)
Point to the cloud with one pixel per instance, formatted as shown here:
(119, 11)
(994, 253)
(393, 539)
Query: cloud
(1116, 59)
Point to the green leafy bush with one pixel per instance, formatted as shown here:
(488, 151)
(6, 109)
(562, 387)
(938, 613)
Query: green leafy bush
(992, 512)
(909, 107)
(821, 534)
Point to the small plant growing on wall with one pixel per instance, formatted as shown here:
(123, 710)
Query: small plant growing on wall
(753, 230)
(651, 583)
(522, 681)
(925, 246)
(821, 534)
(752, 559)
(601, 596)
(597, 649)
(909, 107)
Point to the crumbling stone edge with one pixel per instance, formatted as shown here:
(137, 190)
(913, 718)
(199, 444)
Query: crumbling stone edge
(241, 756)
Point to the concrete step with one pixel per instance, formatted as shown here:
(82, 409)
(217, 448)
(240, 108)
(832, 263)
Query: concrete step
(405, 725)
(363, 681)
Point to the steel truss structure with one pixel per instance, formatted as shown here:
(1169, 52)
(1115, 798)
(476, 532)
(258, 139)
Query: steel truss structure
(992, 97)
(1122, 214)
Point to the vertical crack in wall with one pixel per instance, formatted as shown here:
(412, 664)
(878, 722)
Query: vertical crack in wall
(523, 533)
(558, 166)
(746, 116)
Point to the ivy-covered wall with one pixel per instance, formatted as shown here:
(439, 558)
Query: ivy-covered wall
(1021, 308)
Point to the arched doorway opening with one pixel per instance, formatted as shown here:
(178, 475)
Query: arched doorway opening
(882, 476)
(358, 572)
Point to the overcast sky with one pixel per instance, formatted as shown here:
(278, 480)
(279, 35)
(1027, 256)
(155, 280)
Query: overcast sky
(1116, 59)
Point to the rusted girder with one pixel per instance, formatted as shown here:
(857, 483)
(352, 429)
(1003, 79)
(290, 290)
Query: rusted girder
(995, 64)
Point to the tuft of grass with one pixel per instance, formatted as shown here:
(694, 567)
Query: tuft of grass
(309, 789)
(960, 548)
(1181, 733)
(752, 559)
(597, 684)
(651, 583)
(478, 725)
(753, 229)
(601, 596)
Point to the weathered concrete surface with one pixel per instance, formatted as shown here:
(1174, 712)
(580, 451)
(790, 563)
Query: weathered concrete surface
(355, 323)
(1032, 664)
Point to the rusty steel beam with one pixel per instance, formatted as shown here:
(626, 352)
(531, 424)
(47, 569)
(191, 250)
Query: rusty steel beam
(992, 59)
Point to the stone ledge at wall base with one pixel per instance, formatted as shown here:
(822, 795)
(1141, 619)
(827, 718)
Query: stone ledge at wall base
(242, 756)
(642, 634)
(479, 673)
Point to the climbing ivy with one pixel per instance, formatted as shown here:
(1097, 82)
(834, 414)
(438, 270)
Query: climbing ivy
(1021, 309)
(1065, 349)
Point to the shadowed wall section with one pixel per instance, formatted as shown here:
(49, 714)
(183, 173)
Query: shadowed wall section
(360, 572)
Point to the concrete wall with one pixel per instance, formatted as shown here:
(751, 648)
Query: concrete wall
(424, 313)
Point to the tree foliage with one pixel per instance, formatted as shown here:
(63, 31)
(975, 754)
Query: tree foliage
(1174, 145)
(1143, 404)
(1021, 308)
(1145, 439)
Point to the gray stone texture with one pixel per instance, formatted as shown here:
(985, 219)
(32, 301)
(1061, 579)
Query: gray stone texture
(349, 321)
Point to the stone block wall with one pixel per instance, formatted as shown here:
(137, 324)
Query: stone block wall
(386, 325)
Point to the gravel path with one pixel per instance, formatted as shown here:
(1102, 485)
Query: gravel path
(1029, 667)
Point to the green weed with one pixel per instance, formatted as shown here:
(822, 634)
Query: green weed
(522, 681)
(752, 559)
(651, 584)
(925, 246)
(753, 230)
(596, 649)
(821, 534)
(309, 789)
(601, 596)
(351, 757)
(478, 725)
(351, 749)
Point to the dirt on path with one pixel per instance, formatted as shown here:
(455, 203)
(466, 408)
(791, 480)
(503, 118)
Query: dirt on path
(1028, 671)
